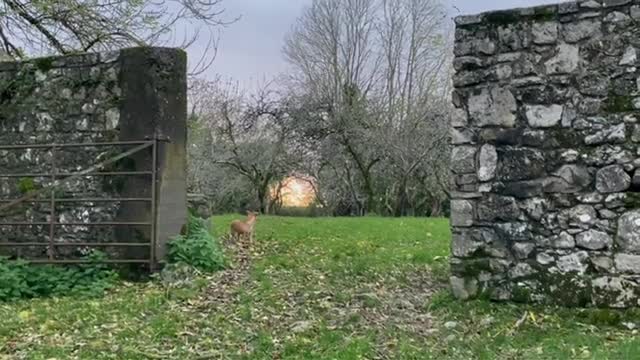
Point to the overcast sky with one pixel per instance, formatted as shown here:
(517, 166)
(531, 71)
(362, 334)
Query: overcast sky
(250, 49)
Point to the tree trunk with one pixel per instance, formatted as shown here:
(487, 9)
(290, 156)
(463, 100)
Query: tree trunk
(436, 208)
(401, 199)
(262, 200)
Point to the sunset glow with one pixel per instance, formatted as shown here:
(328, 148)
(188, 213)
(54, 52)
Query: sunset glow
(295, 192)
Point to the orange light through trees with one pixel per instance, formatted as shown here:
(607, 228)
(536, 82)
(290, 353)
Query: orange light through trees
(294, 191)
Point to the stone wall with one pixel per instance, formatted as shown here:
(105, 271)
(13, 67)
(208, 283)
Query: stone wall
(128, 95)
(546, 157)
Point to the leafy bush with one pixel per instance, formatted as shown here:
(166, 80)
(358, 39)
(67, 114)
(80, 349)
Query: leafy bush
(197, 247)
(21, 280)
(26, 185)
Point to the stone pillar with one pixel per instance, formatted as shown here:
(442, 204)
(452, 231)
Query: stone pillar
(154, 103)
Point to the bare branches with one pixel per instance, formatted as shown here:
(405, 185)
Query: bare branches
(252, 134)
(65, 26)
(377, 72)
(23, 13)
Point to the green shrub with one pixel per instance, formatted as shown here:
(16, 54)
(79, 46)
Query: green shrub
(26, 185)
(197, 247)
(20, 280)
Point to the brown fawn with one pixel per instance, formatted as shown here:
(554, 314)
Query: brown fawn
(244, 229)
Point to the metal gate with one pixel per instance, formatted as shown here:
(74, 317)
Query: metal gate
(57, 179)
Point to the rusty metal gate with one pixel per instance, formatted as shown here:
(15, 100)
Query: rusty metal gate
(57, 179)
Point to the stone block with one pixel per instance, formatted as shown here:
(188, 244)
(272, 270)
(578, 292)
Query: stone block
(568, 179)
(463, 159)
(544, 116)
(565, 61)
(612, 179)
(628, 236)
(488, 161)
(494, 106)
(462, 213)
(498, 208)
(581, 30)
(594, 240)
(627, 263)
(545, 33)
(463, 289)
(520, 164)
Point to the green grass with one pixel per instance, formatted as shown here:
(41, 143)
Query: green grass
(317, 288)
(346, 246)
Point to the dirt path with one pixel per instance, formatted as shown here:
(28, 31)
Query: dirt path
(223, 285)
(385, 307)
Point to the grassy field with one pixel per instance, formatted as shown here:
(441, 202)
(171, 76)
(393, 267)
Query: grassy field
(321, 288)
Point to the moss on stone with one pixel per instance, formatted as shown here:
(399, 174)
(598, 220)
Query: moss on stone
(509, 17)
(618, 103)
(569, 289)
(546, 13)
(500, 18)
(555, 137)
(521, 293)
(26, 185)
(565, 290)
(8, 91)
(44, 64)
(632, 201)
(471, 267)
(21, 85)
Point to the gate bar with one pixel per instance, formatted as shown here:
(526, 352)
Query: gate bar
(75, 244)
(83, 144)
(111, 173)
(52, 203)
(78, 175)
(67, 200)
(56, 261)
(103, 200)
(154, 213)
(109, 223)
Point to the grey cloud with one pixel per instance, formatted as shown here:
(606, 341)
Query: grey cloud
(250, 49)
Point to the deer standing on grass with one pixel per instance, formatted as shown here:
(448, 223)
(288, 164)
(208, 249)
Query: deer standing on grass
(244, 229)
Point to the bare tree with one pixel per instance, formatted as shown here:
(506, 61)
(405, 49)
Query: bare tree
(67, 26)
(412, 99)
(332, 50)
(377, 72)
(250, 136)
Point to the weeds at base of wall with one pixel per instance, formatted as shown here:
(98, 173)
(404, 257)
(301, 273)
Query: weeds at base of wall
(20, 280)
(197, 247)
(192, 254)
